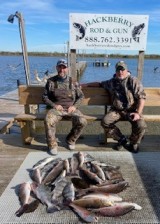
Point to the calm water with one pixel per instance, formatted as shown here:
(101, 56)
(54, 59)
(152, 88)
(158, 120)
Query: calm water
(12, 69)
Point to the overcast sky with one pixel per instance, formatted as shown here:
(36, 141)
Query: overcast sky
(47, 21)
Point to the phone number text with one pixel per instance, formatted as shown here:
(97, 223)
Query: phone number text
(110, 39)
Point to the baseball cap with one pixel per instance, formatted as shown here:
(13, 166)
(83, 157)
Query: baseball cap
(62, 62)
(121, 65)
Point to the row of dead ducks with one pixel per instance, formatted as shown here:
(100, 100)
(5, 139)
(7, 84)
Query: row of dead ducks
(81, 183)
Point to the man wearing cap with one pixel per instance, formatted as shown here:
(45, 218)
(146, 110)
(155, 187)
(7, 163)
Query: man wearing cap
(63, 98)
(128, 99)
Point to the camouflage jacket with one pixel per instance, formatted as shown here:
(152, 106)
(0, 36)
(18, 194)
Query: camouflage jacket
(76, 95)
(125, 94)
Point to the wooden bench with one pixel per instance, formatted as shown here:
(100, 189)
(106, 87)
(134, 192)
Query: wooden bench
(32, 95)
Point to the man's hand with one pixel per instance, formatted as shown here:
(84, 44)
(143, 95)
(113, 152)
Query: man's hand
(58, 107)
(71, 109)
(135, 116)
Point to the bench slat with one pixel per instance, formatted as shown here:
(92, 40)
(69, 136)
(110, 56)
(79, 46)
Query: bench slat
(152, 117)
(31, 117)
(93, 95)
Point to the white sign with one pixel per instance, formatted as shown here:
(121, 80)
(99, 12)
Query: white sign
(109, 31)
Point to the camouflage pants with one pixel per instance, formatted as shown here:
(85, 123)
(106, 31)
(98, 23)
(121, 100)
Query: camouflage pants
(112, 117)
(53, 117)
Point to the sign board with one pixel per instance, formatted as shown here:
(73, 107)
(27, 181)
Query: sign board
(108, 31)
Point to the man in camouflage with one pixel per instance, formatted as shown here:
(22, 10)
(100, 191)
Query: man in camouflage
(63, 97)
(128, 99)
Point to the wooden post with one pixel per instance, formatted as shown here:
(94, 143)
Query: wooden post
(73, 64)
(140, 65)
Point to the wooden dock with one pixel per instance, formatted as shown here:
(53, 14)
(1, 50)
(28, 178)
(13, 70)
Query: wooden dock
(80, 67)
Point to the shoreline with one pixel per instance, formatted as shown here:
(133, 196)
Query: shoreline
(81, 55)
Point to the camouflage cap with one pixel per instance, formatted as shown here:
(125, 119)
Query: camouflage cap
(62, 62)
(121, 64)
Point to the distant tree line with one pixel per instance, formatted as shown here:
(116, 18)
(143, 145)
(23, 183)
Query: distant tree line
(47, 54)
(94, 55)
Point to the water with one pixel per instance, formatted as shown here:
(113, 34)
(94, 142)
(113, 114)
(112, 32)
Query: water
(12, 69)
(150, 79)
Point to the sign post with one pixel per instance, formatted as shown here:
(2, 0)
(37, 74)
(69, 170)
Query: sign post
(73, 65)
(140, 65)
